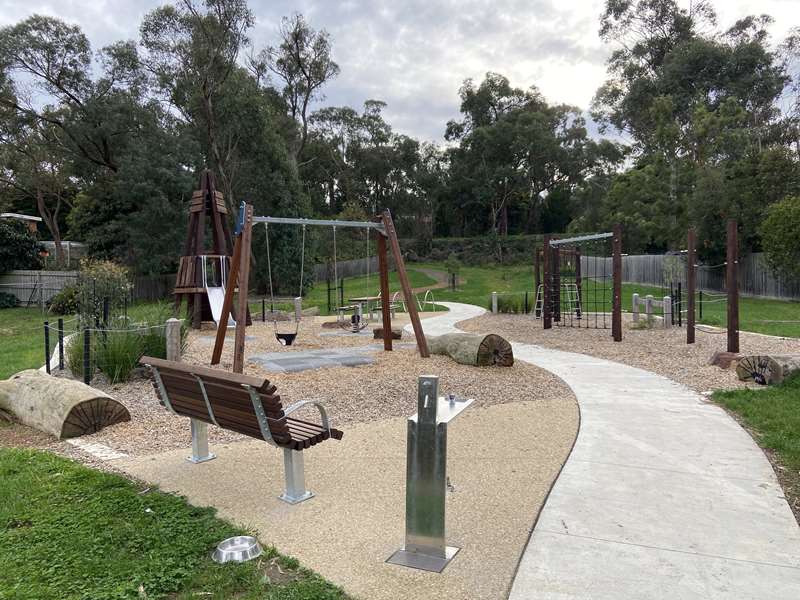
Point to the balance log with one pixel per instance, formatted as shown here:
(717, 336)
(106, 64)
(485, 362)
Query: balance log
(59, 406)
(473, 349)
(767, 369)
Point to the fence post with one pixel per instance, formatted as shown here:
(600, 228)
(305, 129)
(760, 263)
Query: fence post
(328, 284)
(547, 259)
(41, 292)
(635, 307)
(691, 282)
(616, 307)
(668, 314)
(87, 346)
(680, 307)
(494, 303)
(173, 336)
(648, 307)
(105, 312)
(525, 311)
(60, 344)
(263, 310)
(700, 293)
(47, 346)
(733, 286)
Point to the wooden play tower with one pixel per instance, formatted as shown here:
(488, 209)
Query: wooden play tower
(206, 211)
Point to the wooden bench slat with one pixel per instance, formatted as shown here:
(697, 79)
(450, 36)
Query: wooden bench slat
(220, 394)
(206, 372)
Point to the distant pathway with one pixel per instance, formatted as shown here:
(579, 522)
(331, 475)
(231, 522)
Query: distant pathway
(439, 276)
(663, 496)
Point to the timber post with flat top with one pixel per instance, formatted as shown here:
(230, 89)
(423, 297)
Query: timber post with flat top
(732, 283)
(616, 308)
(386, 314)
(691, 281)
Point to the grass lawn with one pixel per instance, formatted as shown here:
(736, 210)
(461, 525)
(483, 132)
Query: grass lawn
(69, 532)
(772, 414)
(516, 280)
(353, 287)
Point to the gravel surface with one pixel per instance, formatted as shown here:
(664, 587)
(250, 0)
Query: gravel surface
(658, 350)
(367, 393)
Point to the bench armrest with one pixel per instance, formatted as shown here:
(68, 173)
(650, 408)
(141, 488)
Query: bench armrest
(297, 405)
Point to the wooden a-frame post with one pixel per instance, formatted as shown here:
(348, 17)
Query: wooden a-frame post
(411, 305)
(383, 274)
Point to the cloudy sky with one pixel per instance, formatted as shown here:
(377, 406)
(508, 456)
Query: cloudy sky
(414, 54)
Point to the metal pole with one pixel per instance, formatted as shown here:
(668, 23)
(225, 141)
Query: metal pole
(47, 346)
(87, 344)
(61, 344)
(525, 311)
(680, 305)
(263, 310)
(691, 282)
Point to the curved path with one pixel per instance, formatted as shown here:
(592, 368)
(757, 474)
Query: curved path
(663, 496)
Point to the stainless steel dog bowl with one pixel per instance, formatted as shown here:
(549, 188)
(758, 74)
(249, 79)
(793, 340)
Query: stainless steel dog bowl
(237, 549)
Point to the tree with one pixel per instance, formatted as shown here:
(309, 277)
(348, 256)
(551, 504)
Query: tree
(19, 249)
(780, 234)
(302, 61)
(191, 53)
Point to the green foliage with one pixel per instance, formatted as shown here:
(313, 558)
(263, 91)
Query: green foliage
(117, 352)
(780, 234)
(773, 415)
(73, 354)
(452, 264)
(100, 280)
(19, 249)
(70, 533)
(7, 300)
(65, 302)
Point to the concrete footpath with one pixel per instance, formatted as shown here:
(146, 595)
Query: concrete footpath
(663, 496)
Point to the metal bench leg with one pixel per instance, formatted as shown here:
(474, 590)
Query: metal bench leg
(294, 469)
(200, 451)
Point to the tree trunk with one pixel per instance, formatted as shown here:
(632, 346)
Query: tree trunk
(61, 407)
(767, 369)
(473, 349)
(51, 222)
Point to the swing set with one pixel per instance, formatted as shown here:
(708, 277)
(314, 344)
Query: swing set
(382, 227)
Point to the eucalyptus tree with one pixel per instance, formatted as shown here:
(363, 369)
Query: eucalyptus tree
(303, 64)
(191, 50)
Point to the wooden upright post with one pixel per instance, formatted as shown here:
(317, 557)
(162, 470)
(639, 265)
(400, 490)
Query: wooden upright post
(547, 256)
(411, 304)
(691, 282)
(733, 286)
(244, 283)
(616, 308)
(383, 271)
(536, 269)
(227, 303)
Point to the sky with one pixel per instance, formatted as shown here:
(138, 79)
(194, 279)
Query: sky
(415, 54)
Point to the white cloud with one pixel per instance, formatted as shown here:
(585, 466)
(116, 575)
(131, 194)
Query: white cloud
(414, 54)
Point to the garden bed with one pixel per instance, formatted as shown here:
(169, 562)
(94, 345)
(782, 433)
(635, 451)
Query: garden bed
(662, 351)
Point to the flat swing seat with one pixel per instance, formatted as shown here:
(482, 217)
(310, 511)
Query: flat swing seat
(286, 339)
(244, 404)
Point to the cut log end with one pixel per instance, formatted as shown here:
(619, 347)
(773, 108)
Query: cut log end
(93, 415)
(495, 350)
(767, 369)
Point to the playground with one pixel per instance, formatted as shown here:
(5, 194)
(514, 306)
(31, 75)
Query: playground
(318, 435)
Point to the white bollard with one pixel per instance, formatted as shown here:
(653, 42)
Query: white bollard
(648, 307)
(635, 304)
(667, 312)
(494, 303)
(174, 340)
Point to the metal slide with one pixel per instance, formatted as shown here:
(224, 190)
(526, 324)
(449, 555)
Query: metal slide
(216, 296)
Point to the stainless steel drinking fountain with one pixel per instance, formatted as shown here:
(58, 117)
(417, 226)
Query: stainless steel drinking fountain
(426, 479)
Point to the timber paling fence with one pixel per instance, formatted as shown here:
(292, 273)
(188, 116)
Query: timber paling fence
(755, 276)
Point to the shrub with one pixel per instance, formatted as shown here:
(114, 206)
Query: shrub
(73, 355)
(779, 237)
(100, 280)
(19, 248)
(65, 302)
(117, 353)
(7, 300)
(510, 304)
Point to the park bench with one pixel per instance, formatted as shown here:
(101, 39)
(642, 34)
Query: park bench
(244, 404)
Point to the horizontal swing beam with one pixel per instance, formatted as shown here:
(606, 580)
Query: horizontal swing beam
(581, 238)
(322, 222)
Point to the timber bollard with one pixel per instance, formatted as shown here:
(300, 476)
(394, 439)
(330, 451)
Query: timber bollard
(494, 303)
(635, 308)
